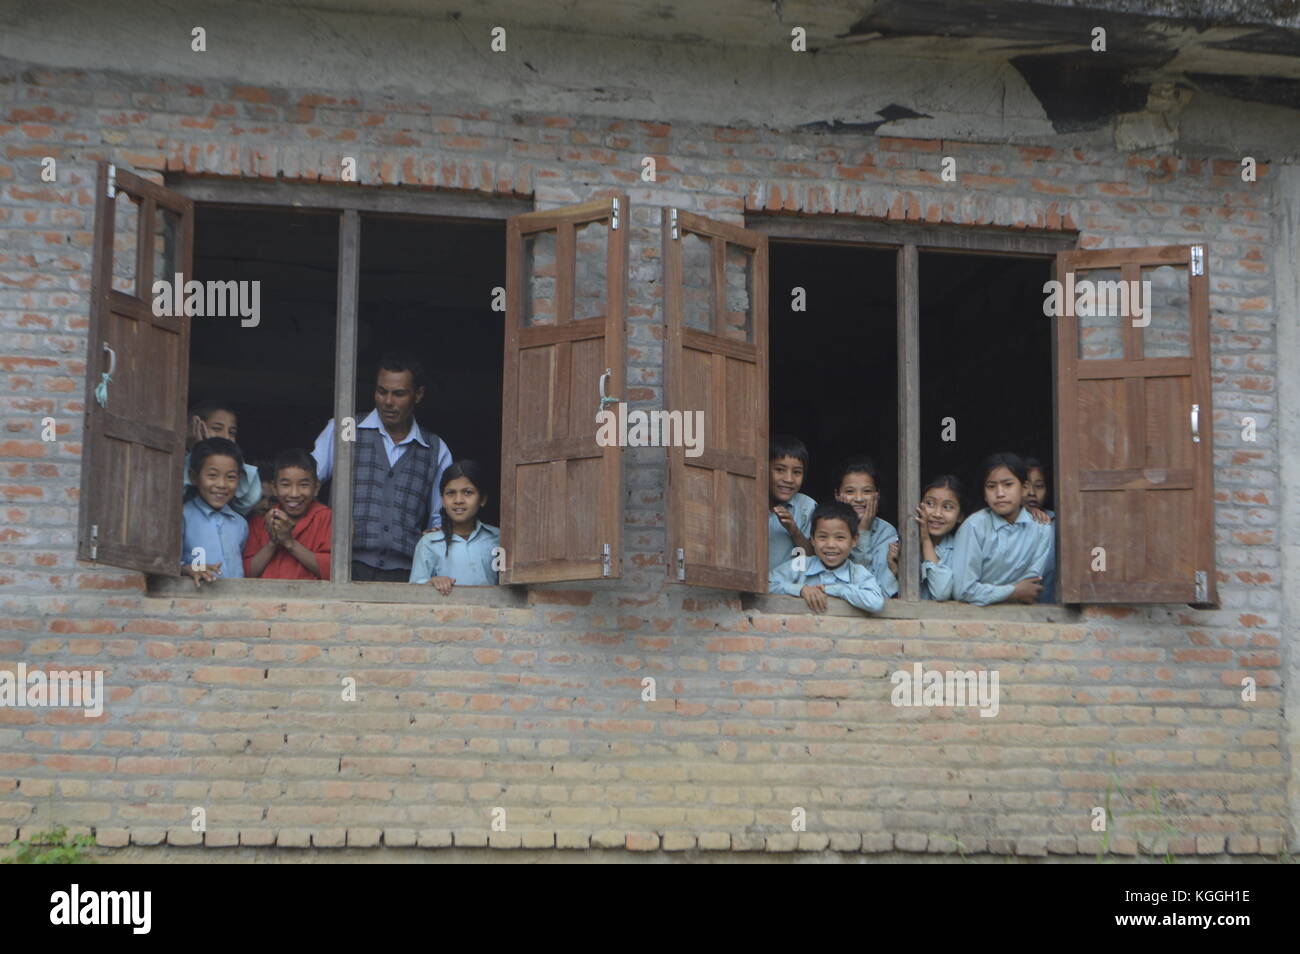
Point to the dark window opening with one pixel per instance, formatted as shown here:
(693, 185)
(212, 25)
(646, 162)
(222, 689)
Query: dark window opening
(279, 374)
(426, 287)
(986, 362)
(833, 367)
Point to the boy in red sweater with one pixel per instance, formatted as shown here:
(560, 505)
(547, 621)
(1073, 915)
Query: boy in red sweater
(293, 541)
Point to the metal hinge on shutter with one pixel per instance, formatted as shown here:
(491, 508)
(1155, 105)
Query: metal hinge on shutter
(614, 224)
(1198, 260)
(1202, 586)
(681, 564)
(94, 541)
(605, 567)
(672, 222)
(112, 181)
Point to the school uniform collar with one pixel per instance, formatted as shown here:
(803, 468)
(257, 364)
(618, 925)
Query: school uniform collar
(209, 511)
(479, 526)
(1001, 524)
(416, 433)
(843, 572)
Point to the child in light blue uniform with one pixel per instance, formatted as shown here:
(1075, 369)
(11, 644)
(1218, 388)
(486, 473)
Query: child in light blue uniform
(877, 544)
(939, 514)
(461, 551)
(829, 572)
(1037, 496)
(1001, 551)
(789, 520)
(212, 533)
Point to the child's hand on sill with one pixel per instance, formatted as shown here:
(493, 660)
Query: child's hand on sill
(202, 574)
(443, 584)
(893, 558)
(1039, 515)
(815, 597)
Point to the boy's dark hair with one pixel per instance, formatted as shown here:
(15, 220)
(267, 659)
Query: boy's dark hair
(1033, 463)
(205, 409)
(213, 447)
(294, 458)
(857, 465)
(472, 471)
(1011, 462)
(784, 445)
(401, 361)
(265, 470)
(835, 510)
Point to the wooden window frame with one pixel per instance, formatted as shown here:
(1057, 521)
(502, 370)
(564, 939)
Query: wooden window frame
(908, 241)
(350, 203)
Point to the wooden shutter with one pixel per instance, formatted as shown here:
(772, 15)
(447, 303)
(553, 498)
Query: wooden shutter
(715, 361)
(1136, 428)
(134, 445)
(561, 492)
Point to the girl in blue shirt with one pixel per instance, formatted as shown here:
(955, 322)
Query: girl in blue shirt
(877, 545)
(939, 514)
(462, 550)
(212, 533)
(1001, 551)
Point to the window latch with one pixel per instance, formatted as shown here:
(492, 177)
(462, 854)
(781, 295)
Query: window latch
(672, 224)
(605, 562)
(94, 541)
(1198, 260)
(112, 181)
(614, 221)
(681, 564)
(1196, 423)
(1202, 586)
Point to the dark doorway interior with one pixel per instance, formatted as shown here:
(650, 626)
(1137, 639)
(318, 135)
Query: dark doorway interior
(986, 360)
(833, 380)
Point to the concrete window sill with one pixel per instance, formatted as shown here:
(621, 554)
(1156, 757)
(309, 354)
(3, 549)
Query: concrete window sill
(920, 609)
(171, 587)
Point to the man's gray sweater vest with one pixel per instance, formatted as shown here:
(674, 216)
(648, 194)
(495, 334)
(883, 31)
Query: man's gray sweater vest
(390, 507)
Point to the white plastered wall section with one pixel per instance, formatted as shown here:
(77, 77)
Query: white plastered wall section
(1287, 269)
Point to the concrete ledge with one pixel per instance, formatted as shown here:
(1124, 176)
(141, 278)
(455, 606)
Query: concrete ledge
(920, 609)
(408, 846)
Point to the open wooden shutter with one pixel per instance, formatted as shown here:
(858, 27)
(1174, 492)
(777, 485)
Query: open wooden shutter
(134, 445)
(715, 361)
(1136, 428)
(561, 492)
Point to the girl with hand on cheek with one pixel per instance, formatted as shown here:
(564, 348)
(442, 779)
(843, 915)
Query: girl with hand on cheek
(938, 514)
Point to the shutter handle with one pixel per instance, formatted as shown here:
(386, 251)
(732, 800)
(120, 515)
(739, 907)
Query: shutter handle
(1196, 423)
(605, 399)
(101, 389)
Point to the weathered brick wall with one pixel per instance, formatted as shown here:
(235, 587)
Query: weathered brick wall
(233, 703)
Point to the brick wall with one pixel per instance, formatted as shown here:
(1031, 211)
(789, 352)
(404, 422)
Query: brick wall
(233, 704)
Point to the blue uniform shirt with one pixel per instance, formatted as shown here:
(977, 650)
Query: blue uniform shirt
(849, 581)
(936, 578)
(779, 542)
(221, 534)
(991, 556)
(469, 562)
(872, 551)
